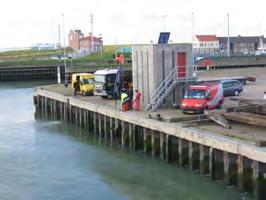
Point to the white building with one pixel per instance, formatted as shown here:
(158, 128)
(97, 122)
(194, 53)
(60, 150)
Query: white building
(205, 44)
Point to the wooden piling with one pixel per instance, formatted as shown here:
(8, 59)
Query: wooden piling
(162, 146)
(226, 162)
(94, 123)
(111, 129)
(123, 136)
(240, 170)
(204, 159)
(180, 151)
(168, 148)
(211, 163)
(105, 127)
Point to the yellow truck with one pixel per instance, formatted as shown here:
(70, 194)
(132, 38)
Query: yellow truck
(83, 83)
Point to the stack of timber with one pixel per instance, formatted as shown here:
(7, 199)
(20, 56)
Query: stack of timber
(249, 111)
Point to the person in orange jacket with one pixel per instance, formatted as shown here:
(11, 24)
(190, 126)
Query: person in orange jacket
(137, 100)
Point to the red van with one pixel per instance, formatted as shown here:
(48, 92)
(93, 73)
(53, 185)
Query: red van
(202, 96)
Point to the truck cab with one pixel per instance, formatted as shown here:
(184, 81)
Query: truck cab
(202, 96)
(105, 82)
(83, 82)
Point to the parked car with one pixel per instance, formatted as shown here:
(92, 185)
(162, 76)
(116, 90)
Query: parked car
(232, 87)
(202, 96)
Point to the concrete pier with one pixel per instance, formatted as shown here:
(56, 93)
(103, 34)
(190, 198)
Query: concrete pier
(233, 161)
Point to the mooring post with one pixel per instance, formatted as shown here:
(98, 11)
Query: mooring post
(226, 161)
(240, 175)
(162, 142)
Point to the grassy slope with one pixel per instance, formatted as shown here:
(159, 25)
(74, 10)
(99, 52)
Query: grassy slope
(28, 57)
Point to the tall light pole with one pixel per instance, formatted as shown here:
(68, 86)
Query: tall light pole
(228, 37)
(64, 43)
(164, 27)
(92, 41)
(192, 37)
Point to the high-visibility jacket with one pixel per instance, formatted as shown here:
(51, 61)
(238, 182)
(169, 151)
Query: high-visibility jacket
(124, 97)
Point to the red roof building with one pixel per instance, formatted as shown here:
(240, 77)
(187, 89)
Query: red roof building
(78, 42)
(206, 38)
(205, 44)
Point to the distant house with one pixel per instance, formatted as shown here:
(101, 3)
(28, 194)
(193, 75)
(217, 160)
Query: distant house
(205, 44)
(74, 37)
(242, 45)
(89, 41)
(84, 44)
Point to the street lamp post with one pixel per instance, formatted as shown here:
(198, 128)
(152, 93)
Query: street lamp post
(64, 43)
(228, 37)
(164, 27)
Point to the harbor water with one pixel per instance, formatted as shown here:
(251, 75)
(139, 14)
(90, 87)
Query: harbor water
(45, 159)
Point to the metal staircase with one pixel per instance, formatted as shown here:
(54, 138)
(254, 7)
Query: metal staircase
(162, 91)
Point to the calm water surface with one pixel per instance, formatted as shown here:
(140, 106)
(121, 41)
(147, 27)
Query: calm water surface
(41, 160)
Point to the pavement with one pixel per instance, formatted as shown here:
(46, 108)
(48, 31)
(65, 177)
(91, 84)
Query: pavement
(241, 131)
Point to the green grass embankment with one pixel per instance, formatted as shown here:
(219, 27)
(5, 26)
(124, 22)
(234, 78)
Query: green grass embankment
(43, 57)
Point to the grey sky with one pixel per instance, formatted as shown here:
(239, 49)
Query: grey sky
(127, 21)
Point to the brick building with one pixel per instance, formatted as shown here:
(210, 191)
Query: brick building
(79, 43)
(74, 37)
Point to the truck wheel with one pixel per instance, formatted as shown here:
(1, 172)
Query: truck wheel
(236, 93)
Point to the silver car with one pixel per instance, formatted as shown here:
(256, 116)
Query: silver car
(232, 87)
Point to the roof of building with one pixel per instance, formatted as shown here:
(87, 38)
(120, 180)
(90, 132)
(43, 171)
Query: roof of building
(206, 38)
(106, 71)
(90, 38)
(76, 31)
(242, 39)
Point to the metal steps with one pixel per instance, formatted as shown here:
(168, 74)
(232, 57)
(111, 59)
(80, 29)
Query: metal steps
(162, 91)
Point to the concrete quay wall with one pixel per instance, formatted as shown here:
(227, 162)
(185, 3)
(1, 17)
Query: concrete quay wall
(236, 162)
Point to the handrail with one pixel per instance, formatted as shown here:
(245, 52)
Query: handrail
(163, 82)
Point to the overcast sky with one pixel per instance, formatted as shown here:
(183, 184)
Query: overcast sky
(25, 22)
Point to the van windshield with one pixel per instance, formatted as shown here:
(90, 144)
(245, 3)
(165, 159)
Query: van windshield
(99, 78)
(195, 94)
(88, 81)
